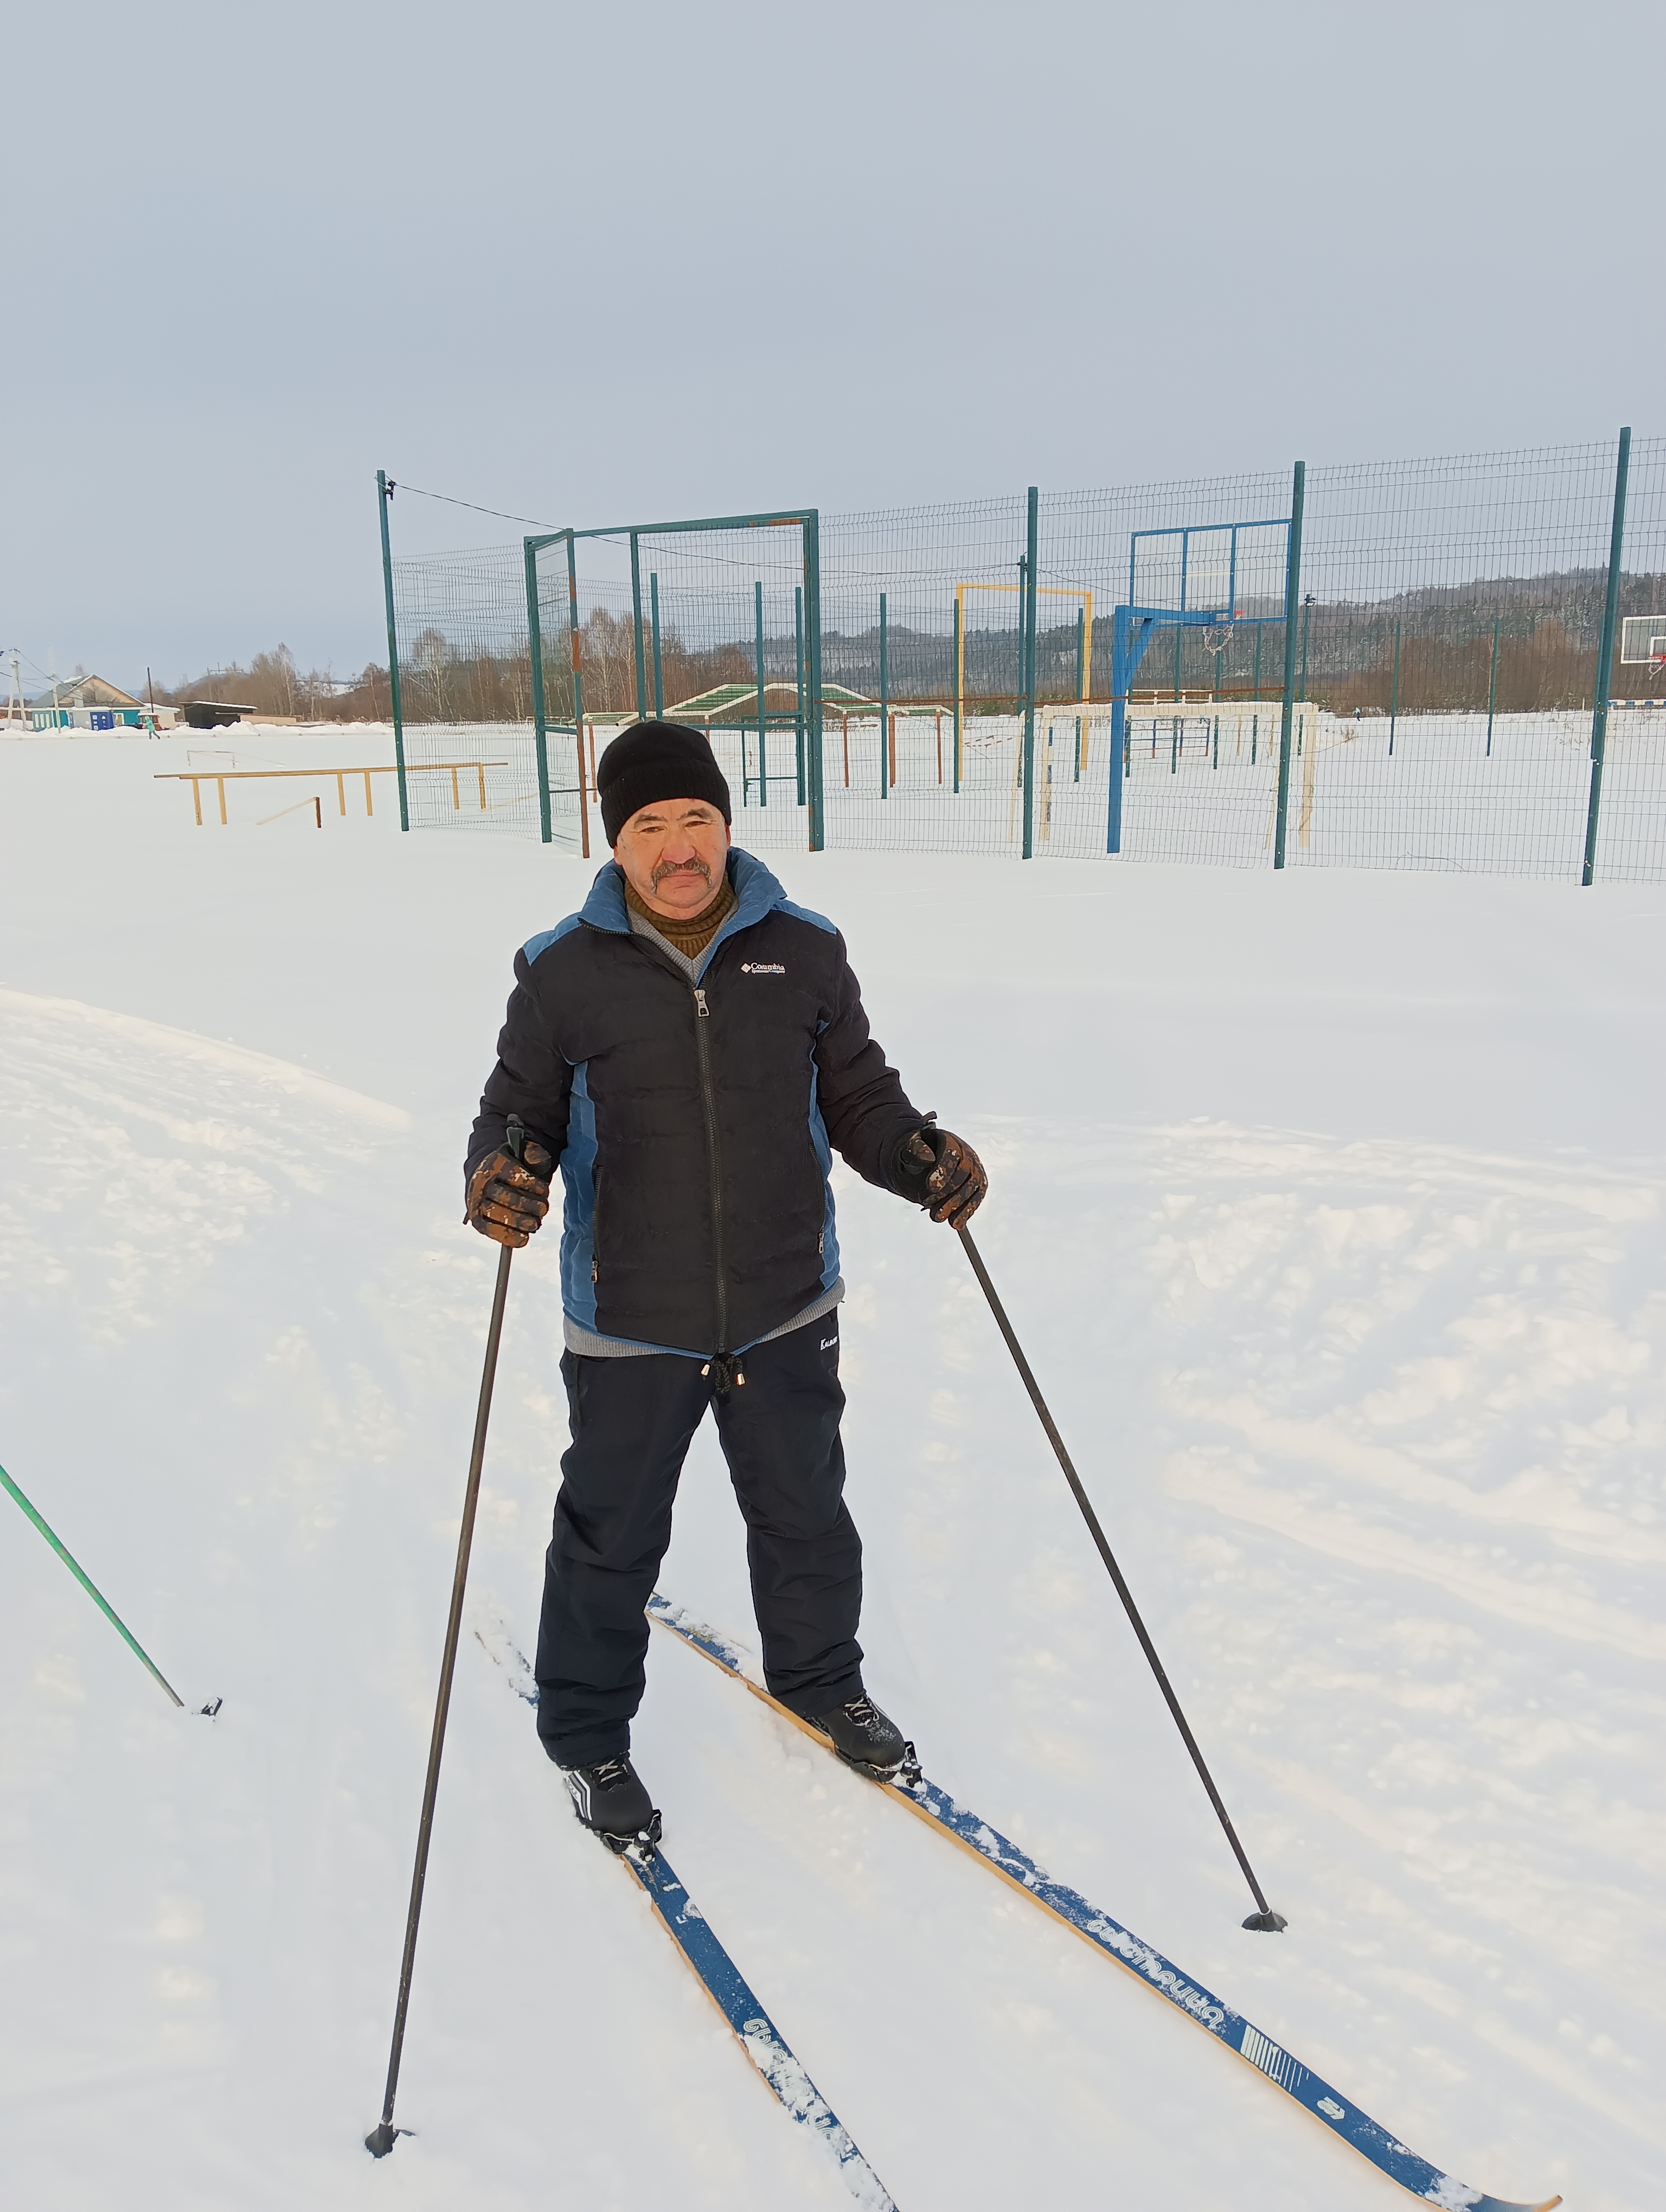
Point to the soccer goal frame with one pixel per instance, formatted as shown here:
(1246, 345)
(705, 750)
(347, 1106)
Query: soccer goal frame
(804, 717)
(1083, 593)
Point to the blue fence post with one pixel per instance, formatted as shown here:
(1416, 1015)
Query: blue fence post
(1120, 763)
(1028, 663)
(1293, 585)
(1599, 719)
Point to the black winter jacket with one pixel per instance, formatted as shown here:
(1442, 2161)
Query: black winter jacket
(693, 1126)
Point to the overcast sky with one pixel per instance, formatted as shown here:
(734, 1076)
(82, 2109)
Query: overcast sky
(593, 263)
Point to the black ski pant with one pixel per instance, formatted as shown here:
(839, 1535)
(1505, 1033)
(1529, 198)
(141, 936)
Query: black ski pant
(632, 1422)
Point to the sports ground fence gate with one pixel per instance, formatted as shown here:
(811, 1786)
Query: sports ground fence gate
(1453, 664)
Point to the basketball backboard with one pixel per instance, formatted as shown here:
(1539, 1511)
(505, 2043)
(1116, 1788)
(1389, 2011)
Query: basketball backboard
(1224, 571)
(1643, 637)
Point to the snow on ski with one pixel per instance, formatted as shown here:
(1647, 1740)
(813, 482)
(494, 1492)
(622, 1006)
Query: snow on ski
(940, 1811)
(722, 1980)
(755, 2031)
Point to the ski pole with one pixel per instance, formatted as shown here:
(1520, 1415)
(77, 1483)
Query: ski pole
(383, 2136)
(99, 1600)
(1264, 1920)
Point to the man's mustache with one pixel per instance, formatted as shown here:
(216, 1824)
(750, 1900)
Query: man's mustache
(697, 866)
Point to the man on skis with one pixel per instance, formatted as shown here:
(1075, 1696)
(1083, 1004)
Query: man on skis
(690, 1049)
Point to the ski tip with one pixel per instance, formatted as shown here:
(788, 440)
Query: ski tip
(382, 2138)
(1267, 1924)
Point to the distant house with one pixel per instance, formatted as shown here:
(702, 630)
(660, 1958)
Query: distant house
(85, 702)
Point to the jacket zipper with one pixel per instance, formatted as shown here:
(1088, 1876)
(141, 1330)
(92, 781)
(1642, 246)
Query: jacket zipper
(708, 1103)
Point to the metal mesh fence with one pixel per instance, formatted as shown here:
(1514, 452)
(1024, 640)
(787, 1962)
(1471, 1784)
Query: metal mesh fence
(1093, 672)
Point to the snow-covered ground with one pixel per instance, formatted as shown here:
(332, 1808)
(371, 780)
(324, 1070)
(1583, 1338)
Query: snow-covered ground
(1330, 1209)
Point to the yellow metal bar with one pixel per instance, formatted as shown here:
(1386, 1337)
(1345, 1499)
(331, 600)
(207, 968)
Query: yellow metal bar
(341, 791)
(221, 781)
(456, 796)
(368, 809)
(481, 767)
(266, 775)
(196, 798)
(1042, 591)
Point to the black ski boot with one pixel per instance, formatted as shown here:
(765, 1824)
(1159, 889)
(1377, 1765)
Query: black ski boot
(865, 1738)
(610, 1800)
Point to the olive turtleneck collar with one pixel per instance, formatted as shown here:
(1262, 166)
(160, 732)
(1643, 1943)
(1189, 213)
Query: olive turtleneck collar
(690, 934)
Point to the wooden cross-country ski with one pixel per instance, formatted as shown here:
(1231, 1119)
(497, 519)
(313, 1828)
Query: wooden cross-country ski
(985, 1843)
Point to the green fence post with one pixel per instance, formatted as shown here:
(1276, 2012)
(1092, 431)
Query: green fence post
(1081, 689)
(959, 650)
(578, 683)
(659, 687)
(884, 706)
(1259, 629)
(1599, 719)
(636, 626)
(1292, 584)
(762, 718)
(1307, 610)
(1492, 686)
(813, 643)
(535, 646)
(384, 495)
(1394, 695)
(798, 696)
(1179, 634)
(1028, 664)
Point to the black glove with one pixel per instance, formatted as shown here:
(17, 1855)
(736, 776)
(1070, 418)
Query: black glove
(941, 1171)
(508, 1197)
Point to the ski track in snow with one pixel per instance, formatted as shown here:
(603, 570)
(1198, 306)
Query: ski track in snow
(1374, 1424)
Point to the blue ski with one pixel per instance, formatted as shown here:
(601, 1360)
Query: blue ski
(1314, 2095)
(756, 2032)
(723, 1981)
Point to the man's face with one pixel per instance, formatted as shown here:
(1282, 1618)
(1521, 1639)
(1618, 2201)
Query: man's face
(673, 854)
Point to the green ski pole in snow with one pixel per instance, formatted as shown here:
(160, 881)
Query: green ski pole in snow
(99, 1600)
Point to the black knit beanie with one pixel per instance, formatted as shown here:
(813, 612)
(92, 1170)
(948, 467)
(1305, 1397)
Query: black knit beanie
(656, 760)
